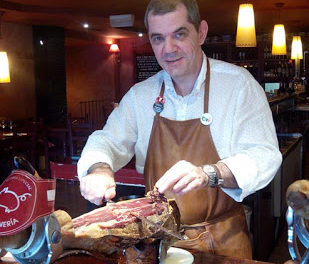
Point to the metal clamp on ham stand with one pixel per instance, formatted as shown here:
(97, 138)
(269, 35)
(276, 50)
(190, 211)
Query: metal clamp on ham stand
(28, 229)
(42, 244)
(297, 228)
(296, 216)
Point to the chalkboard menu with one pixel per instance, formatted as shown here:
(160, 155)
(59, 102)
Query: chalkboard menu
(146, 66)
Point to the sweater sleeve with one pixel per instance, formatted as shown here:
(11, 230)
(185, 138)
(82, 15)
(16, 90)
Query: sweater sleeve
(255, 155)
(114, 144)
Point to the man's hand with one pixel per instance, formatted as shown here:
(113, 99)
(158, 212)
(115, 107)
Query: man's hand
(99, 184)
(182, 177)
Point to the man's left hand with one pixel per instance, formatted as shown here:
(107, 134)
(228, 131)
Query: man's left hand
(182, 178)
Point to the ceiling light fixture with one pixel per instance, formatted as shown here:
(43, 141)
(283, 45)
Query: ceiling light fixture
(245, 36)
(279, 39)
(297, 53)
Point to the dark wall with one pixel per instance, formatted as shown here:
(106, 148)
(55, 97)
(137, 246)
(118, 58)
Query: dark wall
(50, 75)
(90, 75)
(18, 97)
(93, 73)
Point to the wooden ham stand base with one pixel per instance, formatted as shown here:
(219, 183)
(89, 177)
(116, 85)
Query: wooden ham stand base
(199, 258)
(139, 254)
(82, 259)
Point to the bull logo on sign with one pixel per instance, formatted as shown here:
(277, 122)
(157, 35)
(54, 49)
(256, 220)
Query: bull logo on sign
(14, 200)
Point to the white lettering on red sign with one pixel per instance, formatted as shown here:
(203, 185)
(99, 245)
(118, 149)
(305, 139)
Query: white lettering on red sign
(11, 222)
(26, 184)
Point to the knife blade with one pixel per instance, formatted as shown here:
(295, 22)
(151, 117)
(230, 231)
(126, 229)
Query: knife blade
(165, 230)
(109, 202)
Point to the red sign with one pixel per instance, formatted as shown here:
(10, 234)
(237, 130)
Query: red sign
(23, 199)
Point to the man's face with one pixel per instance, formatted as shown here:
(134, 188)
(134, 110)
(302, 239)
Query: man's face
(176, 43)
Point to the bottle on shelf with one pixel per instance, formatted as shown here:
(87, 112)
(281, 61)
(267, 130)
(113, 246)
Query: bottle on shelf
(283, 70)
(279, 70)
(282, 88)
(291, 89)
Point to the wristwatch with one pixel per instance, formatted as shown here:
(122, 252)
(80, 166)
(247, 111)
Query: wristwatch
(213, 179)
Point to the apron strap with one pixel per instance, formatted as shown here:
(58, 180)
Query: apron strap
(161, 95)
(207, 82)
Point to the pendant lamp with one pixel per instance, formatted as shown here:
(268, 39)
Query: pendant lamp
(279, 39)
(4, 68)
(297, 53)
(297, 48)
(245, 36)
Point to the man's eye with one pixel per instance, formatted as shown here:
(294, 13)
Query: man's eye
(157, 39)
(180, 35)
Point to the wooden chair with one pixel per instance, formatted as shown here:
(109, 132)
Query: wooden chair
(78, 133)
(56, 147)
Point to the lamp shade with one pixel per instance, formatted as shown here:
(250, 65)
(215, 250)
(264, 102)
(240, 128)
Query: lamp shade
(297, 48)
(279, 41)
(245, 36)
(114, 48)
(4, 68)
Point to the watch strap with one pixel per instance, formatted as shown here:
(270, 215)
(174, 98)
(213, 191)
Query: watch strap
(214, 175)
(218, 172)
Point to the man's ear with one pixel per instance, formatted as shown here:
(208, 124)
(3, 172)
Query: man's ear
(203, 30)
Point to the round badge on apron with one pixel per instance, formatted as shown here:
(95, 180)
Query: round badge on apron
(206, 119)
(158, 106)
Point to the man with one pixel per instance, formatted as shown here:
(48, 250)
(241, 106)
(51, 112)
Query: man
(201, 130)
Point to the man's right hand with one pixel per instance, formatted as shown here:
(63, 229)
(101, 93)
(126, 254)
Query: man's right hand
(99, 184)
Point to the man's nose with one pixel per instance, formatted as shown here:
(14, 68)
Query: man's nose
(169, 45)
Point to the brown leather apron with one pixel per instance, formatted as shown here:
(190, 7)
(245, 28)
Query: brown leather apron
(213, 221)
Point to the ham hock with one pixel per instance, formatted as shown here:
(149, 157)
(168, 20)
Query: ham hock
(120, 225)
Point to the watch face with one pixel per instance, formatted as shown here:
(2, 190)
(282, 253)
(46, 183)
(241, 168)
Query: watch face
(209, 169)
(212, 175)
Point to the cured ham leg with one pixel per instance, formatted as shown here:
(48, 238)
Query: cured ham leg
(116, 226)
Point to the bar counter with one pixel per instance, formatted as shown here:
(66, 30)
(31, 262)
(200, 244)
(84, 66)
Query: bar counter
(285, 96)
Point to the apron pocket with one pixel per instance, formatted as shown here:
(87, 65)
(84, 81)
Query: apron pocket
(203, 241)
(227, 237)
